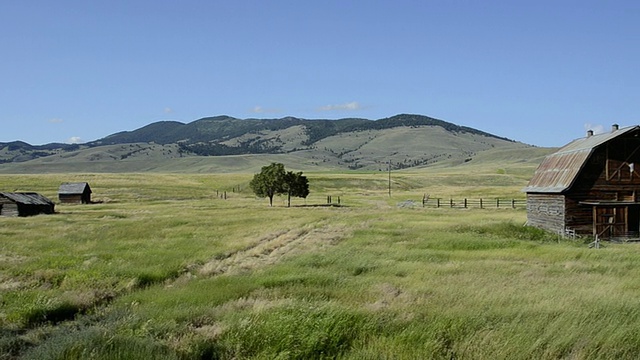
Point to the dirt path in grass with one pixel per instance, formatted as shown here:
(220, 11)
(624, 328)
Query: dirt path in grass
(265, 251)
(276, 246)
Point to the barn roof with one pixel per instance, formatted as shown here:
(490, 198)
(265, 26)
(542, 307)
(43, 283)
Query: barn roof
(73, 188)
(558, 171)
(27, 198)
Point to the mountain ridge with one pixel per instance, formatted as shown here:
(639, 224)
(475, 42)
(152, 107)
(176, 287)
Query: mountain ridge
(401, 141)
(220, 128)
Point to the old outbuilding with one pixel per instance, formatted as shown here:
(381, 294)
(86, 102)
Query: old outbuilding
(74, 193)
(24, 204)
(590, 186)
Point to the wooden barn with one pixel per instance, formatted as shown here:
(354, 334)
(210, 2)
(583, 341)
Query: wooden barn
(74, 193)
(24, 204)
(590, 186)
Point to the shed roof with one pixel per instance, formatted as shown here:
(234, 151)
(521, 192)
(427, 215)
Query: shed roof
(73, 188)
(27, 198)
(558, 171)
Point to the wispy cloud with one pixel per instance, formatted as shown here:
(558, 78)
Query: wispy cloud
(56, 121)
(351, 106)
(261, 110)
(168, 110)
(597, 129)
(74, 140)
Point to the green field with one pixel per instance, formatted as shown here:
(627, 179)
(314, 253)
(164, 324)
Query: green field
(166, 268)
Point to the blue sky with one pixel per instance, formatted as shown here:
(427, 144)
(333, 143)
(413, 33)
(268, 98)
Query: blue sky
(540, 72)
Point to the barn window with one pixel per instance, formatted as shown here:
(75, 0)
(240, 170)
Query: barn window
(626, 196)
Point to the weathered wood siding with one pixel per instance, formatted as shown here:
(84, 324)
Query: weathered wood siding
(546, 211)
(8, 208)
(71, 198)
(30, 210)
(578, 217)
(608, 176)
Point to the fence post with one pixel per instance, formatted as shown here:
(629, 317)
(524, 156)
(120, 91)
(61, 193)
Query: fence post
(438, 203)
(498, 203)
(465, 203)
(451, 202)
(513, 203)
(480, 203)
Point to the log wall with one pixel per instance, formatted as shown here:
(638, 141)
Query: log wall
(8, 208)
(546, 211)
(71, 198)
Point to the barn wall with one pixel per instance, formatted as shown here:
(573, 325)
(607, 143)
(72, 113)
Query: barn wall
(70, 198)
(607, 174)
(546, 211)
(8, 208)
(84, 198)
(31, 209)
(578, 217)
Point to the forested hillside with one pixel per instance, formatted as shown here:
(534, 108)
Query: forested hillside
(400, 141)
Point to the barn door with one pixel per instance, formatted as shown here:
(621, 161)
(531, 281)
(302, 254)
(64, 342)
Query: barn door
(633, 217)
(610, 222)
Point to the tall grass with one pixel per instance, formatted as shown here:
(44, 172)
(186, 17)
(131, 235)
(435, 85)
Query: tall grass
(164, 268)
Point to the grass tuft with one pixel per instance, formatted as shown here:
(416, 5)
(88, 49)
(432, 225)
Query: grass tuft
(95, 343)
(510, 230)
(298, 331)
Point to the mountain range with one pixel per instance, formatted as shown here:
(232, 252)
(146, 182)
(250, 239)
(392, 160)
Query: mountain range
(400, 141)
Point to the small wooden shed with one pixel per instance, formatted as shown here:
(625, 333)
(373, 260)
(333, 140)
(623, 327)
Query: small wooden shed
(24, 204)
(74, 193)
(590, 186)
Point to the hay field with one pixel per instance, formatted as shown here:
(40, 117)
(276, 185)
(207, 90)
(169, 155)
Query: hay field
(166, 268)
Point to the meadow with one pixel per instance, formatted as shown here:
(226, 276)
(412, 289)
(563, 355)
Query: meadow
(166, 268)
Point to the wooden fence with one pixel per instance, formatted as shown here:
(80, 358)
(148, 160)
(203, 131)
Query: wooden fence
(481, 203)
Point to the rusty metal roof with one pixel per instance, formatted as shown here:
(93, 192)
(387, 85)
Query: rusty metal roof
(558, 171)
(73, 188)
(27, 198)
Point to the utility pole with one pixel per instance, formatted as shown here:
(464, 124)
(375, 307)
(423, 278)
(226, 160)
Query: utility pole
(389, 177)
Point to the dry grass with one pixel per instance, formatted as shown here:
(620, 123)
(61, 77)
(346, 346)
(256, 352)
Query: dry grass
(168, 269)
(276, 247)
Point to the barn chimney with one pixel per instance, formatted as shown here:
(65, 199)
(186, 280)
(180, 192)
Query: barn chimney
(614, 127)
(589, 133)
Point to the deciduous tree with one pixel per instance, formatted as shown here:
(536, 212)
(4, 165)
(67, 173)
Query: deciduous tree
(274, 180)
(296, 185)
(269, 182)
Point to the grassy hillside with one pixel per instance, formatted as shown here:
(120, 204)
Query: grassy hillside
(403, 140)
(165, 268)
(369, 150)
(214, 130)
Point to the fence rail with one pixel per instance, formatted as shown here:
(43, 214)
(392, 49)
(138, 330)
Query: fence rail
(480, 203)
